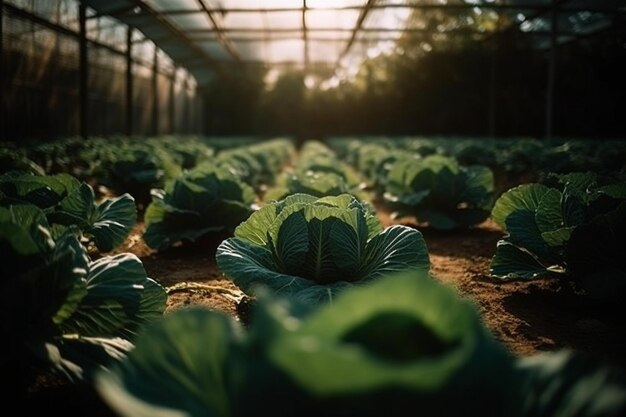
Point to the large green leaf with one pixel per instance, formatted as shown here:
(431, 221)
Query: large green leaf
(255, 228)
(347, 241)
(116, 301)
(396, 249)
(479, 186)
(523, 232)
(43, 191)
(25, 230)
(319, 265)
(179, 367)
(292, 243)
(548, 214)
(511, 262)
(77, 208)
(249, 265)
(401, 343)
(112, 222)
(522, 197)
(79, 357)
(565, 384)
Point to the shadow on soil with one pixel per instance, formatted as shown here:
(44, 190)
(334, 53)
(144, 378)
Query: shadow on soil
(572, 322)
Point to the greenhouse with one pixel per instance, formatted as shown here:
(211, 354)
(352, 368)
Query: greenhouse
(313, 207)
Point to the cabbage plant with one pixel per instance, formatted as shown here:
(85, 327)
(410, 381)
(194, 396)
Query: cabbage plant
(439, 192)
(398, 344)
(62, 309)
(205, 200)
(66, 202)
(312, 248)
(571, 228)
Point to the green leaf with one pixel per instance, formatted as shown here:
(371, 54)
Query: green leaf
(64, 282)
(405, 341)
(114, 303)
(548, 214)
(248, 265)
(512, 262)
(254, 229)
(178, 367)
(78, 207)
(290, 248)
(319, 265)
(565, 384)
(347, 241)
(527, 196)
(523, 232)
(479, 186)
(396, 249)
(112, 222)
(558, 237)
(79, 357)
(42, 191)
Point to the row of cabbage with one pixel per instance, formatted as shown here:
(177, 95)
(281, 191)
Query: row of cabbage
(347, 321)
(76, 307)
(363, 328)
(508, 158)
(121, 164)
(565, 226)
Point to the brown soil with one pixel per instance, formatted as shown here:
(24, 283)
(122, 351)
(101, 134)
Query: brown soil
(527, 317)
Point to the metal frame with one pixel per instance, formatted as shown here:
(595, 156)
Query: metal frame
(84, 44)
(197, 60)
(224, 35)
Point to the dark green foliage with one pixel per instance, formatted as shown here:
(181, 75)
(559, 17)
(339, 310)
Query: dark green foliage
(66, 202)
(62, 310)
(312, 248)
(571, 228)
(402, 344)
(439, 192)
(205, 200)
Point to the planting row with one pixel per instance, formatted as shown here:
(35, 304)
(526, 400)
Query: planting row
(347, 319)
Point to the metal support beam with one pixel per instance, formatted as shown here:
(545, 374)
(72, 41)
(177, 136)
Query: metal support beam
(359, 24)
(493, 82)
(155, 92)
(435, 6)
(175, 32)
(129, 81)
(223, 39)
(3, 82)
(551, 70)
(13, 11)
(83, 72)
(171, 105)
(305, 38)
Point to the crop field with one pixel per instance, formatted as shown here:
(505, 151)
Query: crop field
(189, 276)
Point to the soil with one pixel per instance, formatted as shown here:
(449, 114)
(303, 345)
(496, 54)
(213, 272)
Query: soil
(527, 317)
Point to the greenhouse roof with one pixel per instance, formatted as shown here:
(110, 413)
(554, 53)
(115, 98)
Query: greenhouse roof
(204, 35)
